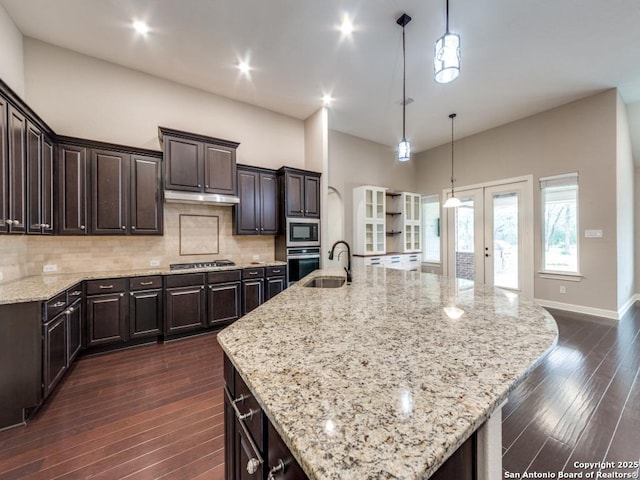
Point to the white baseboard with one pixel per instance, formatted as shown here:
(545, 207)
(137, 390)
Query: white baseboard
(624, 308)
(598, 312)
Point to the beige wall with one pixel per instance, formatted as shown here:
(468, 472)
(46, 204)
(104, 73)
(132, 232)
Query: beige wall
(637, 228)
(11, 54)
(84, 97)
(110, 253)
(625, 207)
(580, 136)
(353, 162)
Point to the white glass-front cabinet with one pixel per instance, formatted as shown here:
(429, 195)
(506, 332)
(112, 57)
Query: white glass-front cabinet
(411, 222)
(369, 220)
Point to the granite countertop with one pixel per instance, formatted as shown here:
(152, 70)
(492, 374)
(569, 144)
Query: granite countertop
(42, 287)
(373, 380)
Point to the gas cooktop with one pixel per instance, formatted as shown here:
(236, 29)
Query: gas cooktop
(214, 263)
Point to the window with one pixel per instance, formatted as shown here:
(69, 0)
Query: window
(560, 223)
(431, 229)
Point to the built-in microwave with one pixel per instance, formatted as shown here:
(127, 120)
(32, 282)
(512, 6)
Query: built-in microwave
(303, 232)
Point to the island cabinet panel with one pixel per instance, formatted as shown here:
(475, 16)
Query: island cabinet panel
(109, 196)
(106, 312)
(71, 198)
(17, 213)
(280, 461)
(146, 196)
(223, 297)
(185, 303)
(462, 464)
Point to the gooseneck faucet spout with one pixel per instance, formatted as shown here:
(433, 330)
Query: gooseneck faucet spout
(348, 268)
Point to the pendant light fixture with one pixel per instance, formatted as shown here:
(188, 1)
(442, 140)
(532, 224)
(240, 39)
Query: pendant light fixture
(446, 60)
(404, 147)
(452, 202)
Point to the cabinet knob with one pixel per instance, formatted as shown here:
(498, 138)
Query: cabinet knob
(16, 222)
(81, 227)
(124, 227)
(252, 466)
(133, 227)
(199, 185)
(122, 294)
(46, 225)
(206, 186)
(256, 229)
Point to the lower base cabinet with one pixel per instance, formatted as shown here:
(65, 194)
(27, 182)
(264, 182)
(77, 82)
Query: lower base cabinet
(106, 311)
(184, 303)
(145, 307)
(223, 297)
(275, 281)
(55, 352)
(75, 319)
(252, 288)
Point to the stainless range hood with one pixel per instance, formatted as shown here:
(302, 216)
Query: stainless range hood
(174, 196)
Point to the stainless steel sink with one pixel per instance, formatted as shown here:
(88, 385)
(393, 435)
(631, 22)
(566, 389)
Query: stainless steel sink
(325, 282)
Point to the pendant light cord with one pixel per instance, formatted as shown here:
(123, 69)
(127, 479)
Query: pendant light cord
(452, 116)
(447, 16)
(404, 86)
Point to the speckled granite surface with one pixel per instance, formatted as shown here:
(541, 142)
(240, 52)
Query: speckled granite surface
(43, 287)
(373, 380)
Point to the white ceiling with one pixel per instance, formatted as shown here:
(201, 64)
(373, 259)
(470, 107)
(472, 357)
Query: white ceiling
(518, 57)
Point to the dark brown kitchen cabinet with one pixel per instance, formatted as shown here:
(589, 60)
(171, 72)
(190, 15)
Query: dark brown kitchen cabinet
(252, 288)
(300, 191)
(109, 192)
(39, 181)
(279, 460)
(75, 319)
(71, 196)
(224, 292)
(106, 312)
(146, 196)
(185, 303)
(4, 167)
(17, 209)
(145, 307)
(197, 163)
(55, 351)
(275, 281)
(257, 212)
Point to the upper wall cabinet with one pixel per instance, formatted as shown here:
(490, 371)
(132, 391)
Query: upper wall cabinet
(39, 181)
(300, 192)
(4, 168)
(195, 163)
(17, 208)
(71, 199)
(256, 214)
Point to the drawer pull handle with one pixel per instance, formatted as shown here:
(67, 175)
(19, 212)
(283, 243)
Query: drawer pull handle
(146, 283)
(105, 287)
(69, 310)
(253, 273)
(276, 271)
(76, 293)
(59, 304)
(279, 468)
(257, 461)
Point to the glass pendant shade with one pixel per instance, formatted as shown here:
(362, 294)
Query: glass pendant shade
(452, 202)
(446, 60)
(404, 151)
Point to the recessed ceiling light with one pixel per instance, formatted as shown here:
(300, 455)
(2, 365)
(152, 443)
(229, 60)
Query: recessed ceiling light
(244, 67)
(141, 27)
(346, 27)
(327, 99)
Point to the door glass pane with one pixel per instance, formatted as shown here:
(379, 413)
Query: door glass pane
(505, 240)
(407, 237)
(380, 205)
(369, 203)
(416, 237)
(380, 237)
(368, 237)
(416, 207)
(464, 247)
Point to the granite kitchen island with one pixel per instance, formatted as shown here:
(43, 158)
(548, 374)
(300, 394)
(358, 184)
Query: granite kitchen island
(389, 376)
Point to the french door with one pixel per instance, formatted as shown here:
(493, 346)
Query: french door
(490, 236)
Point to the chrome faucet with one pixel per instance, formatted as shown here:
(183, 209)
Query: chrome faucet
(348, 267)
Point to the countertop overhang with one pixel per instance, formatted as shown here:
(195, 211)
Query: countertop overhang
(373, 379)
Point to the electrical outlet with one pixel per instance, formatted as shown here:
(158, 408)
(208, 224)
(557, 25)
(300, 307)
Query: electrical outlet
(256, 257)
(563, 289)
(50, 267)
(154, 263)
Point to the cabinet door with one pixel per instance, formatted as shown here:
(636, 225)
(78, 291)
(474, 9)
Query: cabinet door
(247, 212)
(46, 212)
(184, 308)
(74, 326)
(224, 302)
(280, 460)
(109, 192)
(268, 204)
(17, 171)
(146, 197)
(294, 194)
(252, 294)
(55, 352)
(183, 164)
(106, 315)
(311, 196)
(72, 190)
(145, 313)
(219, 170)
(273, 286)
(4, 168)
(34, 179)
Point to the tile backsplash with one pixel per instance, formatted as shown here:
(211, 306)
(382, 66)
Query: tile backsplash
(25, 255)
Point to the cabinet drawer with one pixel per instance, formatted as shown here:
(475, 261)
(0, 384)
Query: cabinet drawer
(224, 277)
(55, 305)
(145, 283)
(249, 405)
(276, 271)
(74, 293)
(110, 285)
(184, 280)
(248, 273)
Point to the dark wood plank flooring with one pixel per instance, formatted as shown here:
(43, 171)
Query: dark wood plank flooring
(157, 411)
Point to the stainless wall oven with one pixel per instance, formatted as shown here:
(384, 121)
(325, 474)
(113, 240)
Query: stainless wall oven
(302, 232)
(301, 262)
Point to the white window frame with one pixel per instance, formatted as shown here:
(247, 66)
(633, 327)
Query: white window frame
(566, 179)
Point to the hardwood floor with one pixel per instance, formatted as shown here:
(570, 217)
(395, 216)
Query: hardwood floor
(157, 411)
